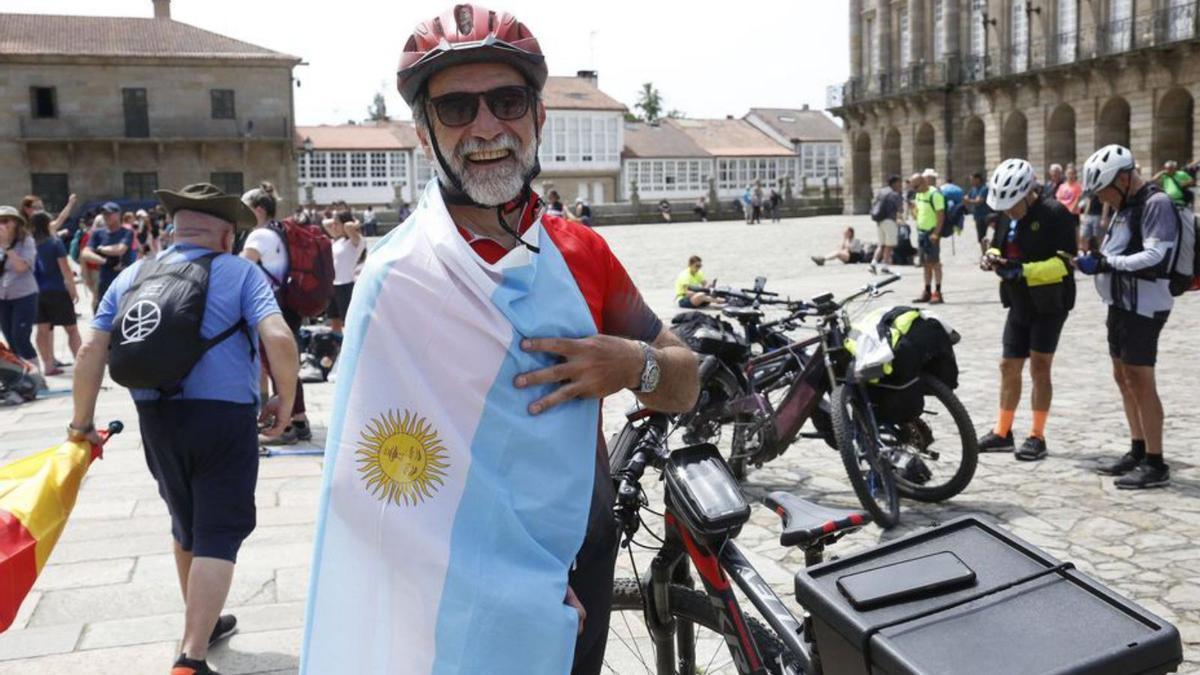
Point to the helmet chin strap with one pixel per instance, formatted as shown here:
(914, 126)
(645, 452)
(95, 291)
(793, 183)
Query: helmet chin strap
(456, 195)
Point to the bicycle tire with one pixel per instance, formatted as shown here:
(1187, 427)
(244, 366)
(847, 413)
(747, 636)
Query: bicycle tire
(970, 448)
(696, 607)
(847, 427)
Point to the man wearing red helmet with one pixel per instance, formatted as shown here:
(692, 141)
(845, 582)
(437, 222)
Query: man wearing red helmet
(501, 275)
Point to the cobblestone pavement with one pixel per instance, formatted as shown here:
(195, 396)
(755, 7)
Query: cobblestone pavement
(108, 601)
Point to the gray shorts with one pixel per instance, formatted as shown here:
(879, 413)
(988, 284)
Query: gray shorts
(931, 251)
(1090, 227)
(888, 232)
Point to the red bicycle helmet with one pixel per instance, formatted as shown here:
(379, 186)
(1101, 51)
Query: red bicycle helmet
(468, 34)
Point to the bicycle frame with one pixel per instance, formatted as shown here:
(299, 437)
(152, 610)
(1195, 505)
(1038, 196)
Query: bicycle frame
(716, 572)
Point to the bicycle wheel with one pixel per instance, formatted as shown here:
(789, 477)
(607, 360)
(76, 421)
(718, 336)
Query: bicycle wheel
(870, 473)
(697, 633)
(936, 454)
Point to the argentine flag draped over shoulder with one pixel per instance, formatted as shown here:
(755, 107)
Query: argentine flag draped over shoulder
(449, 516)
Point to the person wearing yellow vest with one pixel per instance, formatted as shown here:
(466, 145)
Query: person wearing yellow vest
(692, 276)
(930, 207)
(1030, 252)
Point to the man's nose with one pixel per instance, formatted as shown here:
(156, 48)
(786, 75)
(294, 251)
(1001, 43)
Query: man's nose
(486, 125)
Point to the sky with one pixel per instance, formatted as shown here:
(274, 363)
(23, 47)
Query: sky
(707, 59)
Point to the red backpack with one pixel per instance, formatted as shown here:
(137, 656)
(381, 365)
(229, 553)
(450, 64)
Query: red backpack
(309, 283)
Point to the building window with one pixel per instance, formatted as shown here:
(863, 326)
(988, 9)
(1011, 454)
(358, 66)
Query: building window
(1019, 27)
(137, 113)
(43, 102)
(230, 182)
(872, 43)
(379, 168)
(1120, 25)
(1068, 26)
(424, 171)
(222, 104)
(736, 174)
(337, 165)
(140, 185)
(668, 176)
(358, 165)
(318, 165)
(53, 188)
(578, 138)
(939, 30)
(905, 39)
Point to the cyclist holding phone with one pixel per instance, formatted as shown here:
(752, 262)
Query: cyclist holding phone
(1029, 251)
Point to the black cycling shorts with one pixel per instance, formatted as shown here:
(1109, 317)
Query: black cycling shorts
(55, 308)
(1133, 338)
(1025, 332)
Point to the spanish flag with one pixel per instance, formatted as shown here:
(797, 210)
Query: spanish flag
(37, 494)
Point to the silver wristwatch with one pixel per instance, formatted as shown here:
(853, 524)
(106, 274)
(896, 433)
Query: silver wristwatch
(650, 371)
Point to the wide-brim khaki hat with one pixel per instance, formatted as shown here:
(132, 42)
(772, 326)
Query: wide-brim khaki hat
(14, 213)
(208, 198)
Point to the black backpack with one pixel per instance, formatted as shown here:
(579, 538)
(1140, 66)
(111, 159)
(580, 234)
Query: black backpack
(156, 337)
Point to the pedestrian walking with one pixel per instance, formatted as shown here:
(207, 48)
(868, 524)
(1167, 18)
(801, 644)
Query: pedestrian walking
(266, 247)
(194, 378)
(1031, 252)
(976, 201)
(349, 247)
(1131, 269)
(370, 222)
(885, 211)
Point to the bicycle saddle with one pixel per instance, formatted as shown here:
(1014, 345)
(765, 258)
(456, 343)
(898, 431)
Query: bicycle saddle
(806, 523)
(742, 313)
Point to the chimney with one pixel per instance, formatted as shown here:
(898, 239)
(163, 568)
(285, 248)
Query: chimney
(592, 77)
(162, 9)
(806, 106)
(729, 117)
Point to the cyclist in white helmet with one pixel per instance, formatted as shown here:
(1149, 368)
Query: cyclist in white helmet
(1131, 278)
(1030, 251)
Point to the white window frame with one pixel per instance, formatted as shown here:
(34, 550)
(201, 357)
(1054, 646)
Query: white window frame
(905, 39)
(1068, 27)
(939, 29)
(1018, 37)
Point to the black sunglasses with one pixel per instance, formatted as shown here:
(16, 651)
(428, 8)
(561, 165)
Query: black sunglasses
(459, 109)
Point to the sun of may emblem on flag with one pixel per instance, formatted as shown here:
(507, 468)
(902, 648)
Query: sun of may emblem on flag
(401, 459)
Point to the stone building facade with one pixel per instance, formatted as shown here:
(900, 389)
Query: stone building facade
(110, 107)
(959, 85)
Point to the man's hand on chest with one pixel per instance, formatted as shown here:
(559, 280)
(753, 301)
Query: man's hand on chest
(592, 367)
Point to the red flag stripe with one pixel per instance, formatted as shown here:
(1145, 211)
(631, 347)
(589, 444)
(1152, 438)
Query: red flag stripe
(18, 566)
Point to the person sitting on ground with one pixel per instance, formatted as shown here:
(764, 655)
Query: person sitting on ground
(701, 209)
(851, 251)
(664, 208)
(692, 276)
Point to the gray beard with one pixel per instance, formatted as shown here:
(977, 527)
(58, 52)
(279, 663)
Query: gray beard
(493, 185)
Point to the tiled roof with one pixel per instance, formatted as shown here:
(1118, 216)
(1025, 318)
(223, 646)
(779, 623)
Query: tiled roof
(577, 93)
(658, 140)
(368, 136)
(52, 35)
(730, 138)
(800, 126)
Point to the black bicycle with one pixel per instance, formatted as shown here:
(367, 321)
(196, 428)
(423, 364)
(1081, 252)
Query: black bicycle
(912, 438)
(662, 622)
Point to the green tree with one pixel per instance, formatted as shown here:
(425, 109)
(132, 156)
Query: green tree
(650, 103)
(378, 111)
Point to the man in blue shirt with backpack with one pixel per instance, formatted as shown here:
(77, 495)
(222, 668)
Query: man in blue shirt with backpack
(182, 332)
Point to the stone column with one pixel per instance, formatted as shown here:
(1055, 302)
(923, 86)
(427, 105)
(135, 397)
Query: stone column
(1035, 134)
(883, 21)
(848, 183)
(1141, 128)
(954, 43)
(856, 39)
(1085, 129)
(994, 129)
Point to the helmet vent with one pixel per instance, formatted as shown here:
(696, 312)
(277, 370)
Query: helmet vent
(465, 17)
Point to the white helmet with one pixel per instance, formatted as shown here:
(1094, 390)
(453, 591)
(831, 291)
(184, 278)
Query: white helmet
(1101, 169)
(1011, 181)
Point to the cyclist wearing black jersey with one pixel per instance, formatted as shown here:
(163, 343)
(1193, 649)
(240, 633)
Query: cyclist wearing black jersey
(1029, 251)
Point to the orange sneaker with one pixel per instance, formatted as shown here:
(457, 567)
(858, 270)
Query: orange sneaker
(185, 666)
(936, 299)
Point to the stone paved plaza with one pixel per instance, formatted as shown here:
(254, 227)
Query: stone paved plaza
(108, 602)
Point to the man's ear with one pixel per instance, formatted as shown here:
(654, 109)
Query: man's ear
(541, 116)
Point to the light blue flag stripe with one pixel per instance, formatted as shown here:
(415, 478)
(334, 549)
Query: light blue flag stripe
(524, 510)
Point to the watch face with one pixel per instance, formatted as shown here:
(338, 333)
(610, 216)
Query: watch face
(650, 377)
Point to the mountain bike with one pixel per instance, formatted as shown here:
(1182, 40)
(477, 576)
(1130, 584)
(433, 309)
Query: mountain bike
(664, 624)
(929, 454)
